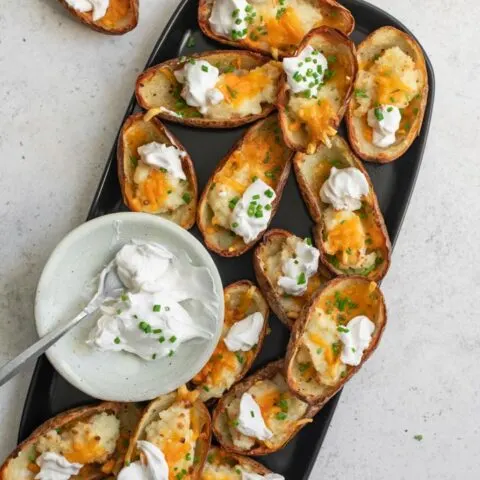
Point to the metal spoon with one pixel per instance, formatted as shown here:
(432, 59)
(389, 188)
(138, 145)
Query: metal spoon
(109, 286)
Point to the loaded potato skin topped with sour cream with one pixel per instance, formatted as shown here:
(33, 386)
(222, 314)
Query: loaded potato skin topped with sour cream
(245, 327)
(219, 89)
(274, 27)
(350, 231)
(336, 334)
(83, 443)
(244, 192)
(386, 112)
(113, 17)
(156, 174)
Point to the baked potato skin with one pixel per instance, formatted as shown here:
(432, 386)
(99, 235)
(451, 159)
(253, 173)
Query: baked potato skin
(202, 220)
(59, 421)
(184, 215)
(314, 206)
(241, 460)
(267, 372)
(266, 286)
(128, 23)
(382, 38)
(344, 22)
(246, 60)
(241, 288)
(162, 403)
(316, 38)
(299, 328)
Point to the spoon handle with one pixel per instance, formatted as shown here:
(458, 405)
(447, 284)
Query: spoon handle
(10, 369)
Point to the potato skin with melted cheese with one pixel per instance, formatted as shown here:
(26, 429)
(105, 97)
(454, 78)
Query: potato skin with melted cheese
(255, 76)
(363, 229)
(225, 368)
(269, 405)
(309, 122)
(121, 17)
(21, 463)
(389, 89)
(154, 194)
(282, 29)
(260, 153)
(338, 301)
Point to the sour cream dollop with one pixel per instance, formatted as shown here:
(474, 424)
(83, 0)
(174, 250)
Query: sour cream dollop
(99, 7)
(163, 157)
(199, 79)
(305, 72)
(56, 467)
(356, 337)
(256, 476)
(344, 189)
(253, 211)
(385, 121)
(229, 18)
(152, 465)
(299, 268)
(250, 420)
(165, 295)
(244, 335)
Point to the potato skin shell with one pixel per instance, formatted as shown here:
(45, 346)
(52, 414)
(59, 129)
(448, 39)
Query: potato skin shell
(315, 210)
(202, 204)
(269, 371)
(299, 329)
(205, 9)
(394, 152)
(86, 19)
(204, 122)
(329, 35)
(57, 422)
(187, 164)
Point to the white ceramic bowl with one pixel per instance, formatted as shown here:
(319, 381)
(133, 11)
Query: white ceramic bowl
(64, 289)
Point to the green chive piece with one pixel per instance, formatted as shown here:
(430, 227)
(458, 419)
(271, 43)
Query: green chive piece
(117, 340)
(156, 308)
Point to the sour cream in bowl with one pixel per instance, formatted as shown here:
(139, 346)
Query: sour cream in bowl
(161, 328)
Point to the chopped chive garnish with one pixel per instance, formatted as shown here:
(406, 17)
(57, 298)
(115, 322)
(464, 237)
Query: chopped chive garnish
(301, 280)
(117, 340)
(173, 339)
(156, 308)
(186, 197)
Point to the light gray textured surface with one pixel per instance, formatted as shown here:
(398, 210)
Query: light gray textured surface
(63, 93)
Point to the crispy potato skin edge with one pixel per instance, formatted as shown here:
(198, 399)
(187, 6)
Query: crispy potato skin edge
(299, 329)
(187, 162)
(83, 18)
(354, 139)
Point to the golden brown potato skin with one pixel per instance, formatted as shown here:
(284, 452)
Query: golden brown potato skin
(344, 22)
(163, 402)
(202, 219)
(314, 205)
(269, 290)
(127, 23)
(316, 38)
(184, 215)
(246, 60)
(320, 399)
(269, 371)
(379, 40)
(229, 458)
(59, 421)
(240, 288)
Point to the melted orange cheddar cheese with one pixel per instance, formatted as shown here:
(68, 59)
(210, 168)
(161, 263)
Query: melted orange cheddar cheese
(318, 118)
(268, 403)
(348, 234)
(116, 12)
(86, 451)
(149, 195)
(238, 88)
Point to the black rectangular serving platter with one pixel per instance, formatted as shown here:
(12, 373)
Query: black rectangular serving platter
(50, 394)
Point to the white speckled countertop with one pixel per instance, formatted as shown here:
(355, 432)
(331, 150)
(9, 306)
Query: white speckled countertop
(64, 90)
